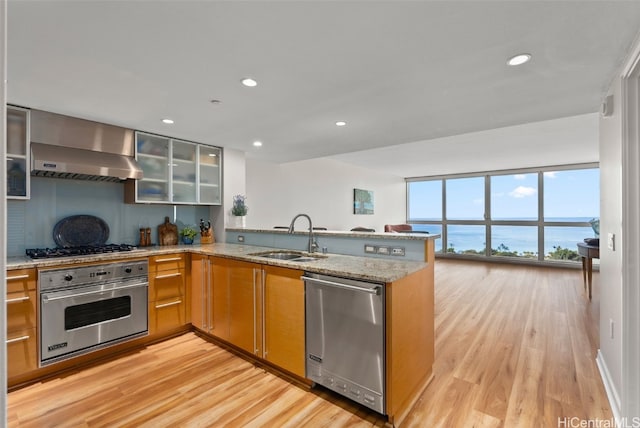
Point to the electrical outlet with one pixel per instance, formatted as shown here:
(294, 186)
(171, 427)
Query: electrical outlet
(371, 249)
(240, 238)
(383, 250)
(397, 251)
(611, 241)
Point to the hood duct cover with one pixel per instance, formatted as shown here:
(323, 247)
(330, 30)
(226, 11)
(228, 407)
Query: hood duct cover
(80, 164)
(68, 147)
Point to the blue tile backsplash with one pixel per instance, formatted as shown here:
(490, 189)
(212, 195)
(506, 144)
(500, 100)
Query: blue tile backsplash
(30, 223)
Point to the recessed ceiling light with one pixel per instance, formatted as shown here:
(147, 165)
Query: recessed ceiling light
(213, 155)
(167, 121)
(519, 59)
(257, 144)
(247, 81)
(341, 123)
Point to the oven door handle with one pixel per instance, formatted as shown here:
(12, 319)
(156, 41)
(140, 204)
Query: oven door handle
(46, 298)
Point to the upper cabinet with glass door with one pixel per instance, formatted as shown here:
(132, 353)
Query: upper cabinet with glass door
(175, 172)
(17, 153)
(210, 159)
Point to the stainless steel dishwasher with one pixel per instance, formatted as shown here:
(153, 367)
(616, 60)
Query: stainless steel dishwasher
(345, 337)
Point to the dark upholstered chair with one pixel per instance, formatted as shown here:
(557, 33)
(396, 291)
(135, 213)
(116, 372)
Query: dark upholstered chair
(362, 229)
(398, 228)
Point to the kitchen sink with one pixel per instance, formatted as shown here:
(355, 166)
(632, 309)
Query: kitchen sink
(292, 256)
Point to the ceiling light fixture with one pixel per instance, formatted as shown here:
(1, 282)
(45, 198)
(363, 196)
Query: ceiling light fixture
(341, 123)
(167, 121)
(519, 59)
(247, 81)
(257, 144)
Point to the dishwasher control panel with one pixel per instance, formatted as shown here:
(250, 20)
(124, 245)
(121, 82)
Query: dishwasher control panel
(344, 387)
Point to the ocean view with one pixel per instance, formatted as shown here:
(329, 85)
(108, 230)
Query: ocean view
(521, 239)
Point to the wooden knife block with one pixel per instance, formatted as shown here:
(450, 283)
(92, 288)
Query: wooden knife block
(207, 237)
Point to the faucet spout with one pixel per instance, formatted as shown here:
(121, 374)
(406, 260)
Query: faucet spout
(312, 243)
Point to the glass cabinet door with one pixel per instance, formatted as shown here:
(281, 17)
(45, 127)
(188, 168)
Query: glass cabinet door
(210, 158)
(152, 153)
(175, 172)
(183, 168)
(17, 154)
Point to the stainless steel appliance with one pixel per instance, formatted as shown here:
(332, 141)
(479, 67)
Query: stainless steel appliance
(345, 337)
(90, 307)
(69, 147)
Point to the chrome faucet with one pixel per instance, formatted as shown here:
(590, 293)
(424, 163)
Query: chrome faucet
(313, 246)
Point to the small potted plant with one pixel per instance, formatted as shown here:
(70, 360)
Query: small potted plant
(187, 234)
(239, 209)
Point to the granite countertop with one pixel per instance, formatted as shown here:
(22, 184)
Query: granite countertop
(423, 236)
(366, 268)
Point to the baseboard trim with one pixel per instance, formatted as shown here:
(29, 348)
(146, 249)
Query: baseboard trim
(612, 393)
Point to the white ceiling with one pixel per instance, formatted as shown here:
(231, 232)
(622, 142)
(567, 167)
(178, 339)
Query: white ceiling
(397, 71)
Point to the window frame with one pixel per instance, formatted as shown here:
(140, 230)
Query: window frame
(488, 222)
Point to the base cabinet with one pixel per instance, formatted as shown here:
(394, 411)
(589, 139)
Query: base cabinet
(21, 342)
(210, 295)
(257, 308)
(284, 322)
(167, 293)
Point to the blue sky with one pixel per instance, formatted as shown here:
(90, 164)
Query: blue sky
(569, 193)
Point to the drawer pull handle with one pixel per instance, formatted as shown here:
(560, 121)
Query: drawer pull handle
(18, 339)
(16, 277)
(164, 305)
(18, 299)
(171, 259)
(170, 275)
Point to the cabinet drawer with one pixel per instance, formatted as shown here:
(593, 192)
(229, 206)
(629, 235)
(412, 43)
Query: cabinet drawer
(21, 280)
(21, 352)
(21, 310)
(166, 262)
(165, 315)
(167, 285)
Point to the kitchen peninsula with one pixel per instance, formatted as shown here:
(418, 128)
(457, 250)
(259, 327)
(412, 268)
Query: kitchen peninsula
(409, 335)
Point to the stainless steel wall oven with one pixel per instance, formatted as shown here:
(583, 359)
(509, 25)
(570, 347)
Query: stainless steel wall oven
(90, 307)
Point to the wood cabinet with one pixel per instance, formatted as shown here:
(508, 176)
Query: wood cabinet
(210, 295)
(21, 323)
(284, 322)
(18, 153)
(175, 171)
(257, 308)
(167, 293)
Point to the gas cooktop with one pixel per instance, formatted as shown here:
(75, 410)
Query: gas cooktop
(46, 253)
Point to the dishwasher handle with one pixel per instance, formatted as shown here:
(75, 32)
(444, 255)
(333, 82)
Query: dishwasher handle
(374, 290)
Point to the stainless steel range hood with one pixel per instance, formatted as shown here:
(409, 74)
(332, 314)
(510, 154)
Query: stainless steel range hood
(68, 147)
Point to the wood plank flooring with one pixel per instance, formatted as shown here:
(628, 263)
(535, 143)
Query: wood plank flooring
(515, 347)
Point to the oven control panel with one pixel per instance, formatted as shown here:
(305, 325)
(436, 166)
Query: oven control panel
(51, 279)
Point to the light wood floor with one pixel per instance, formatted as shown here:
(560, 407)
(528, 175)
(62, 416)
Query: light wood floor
(515, 347)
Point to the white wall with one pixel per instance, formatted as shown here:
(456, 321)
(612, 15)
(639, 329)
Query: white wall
(233, 183)
(611, 261)
(323, 189)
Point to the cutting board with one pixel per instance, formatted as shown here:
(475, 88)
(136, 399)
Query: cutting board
(167, 233)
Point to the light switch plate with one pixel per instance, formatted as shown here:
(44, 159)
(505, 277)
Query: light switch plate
(611, 241)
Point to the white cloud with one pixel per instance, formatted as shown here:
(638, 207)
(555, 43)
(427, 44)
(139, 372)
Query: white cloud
(479, 201)
(519, 176)
(522, 192)
(550, 174)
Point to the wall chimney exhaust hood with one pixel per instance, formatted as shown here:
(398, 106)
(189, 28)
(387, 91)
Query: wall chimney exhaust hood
(68, 147)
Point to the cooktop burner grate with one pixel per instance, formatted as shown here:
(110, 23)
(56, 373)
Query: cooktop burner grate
(46, 253)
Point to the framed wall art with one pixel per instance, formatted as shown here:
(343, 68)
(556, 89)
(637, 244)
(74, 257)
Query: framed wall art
(362, 201)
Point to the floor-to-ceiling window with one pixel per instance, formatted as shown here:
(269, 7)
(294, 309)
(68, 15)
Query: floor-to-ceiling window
(536, 214)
